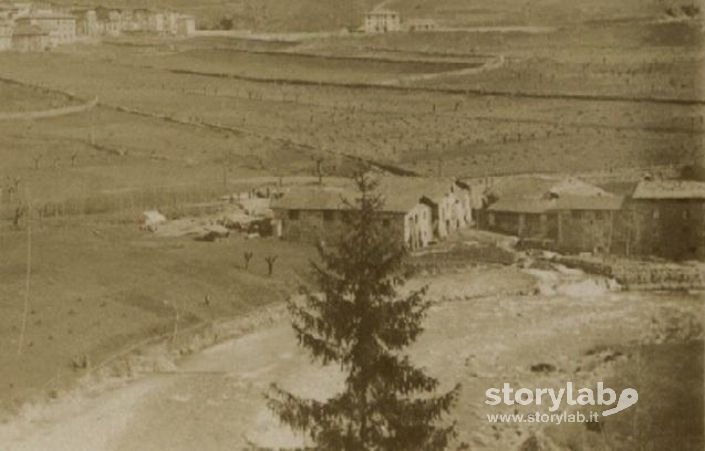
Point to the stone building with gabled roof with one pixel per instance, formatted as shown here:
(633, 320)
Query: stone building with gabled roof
(60, 27)
(314, 214)
(30, 38)
(667, 219)
(382, 20)
(565, 214)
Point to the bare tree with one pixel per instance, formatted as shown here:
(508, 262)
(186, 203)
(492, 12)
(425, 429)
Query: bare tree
(319, 169)
(270, 264)
(20, 212)
(248, 256)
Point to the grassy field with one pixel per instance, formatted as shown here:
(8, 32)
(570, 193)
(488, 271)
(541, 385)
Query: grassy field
(225, 97)
(83, 301)
(182, 122)
(17, 98)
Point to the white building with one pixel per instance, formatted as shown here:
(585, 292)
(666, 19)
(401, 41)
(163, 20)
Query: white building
(60, 27)
(382, 21)
(5, 35)
(186, 25)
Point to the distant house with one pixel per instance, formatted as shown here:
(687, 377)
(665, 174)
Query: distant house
(667, 219)
(109, 21)
(143, 20)
(186, 25)
(30, 38)
(60, 27)
(382, 21)
(87, 24)
(319, 213)
(5, 35)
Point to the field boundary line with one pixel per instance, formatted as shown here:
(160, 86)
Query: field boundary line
(452, 91)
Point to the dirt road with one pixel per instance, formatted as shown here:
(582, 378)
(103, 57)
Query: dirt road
(213, 400)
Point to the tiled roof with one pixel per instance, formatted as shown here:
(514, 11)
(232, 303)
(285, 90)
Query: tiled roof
(563, 202)
(573, 202)
(310, 198)
(669, 189)
(399, 194)
(521, 205)
(537, 186)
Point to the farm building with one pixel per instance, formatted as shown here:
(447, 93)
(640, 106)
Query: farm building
(61, 28)
(30, 38)
(5, 35)
(523, 217)
(322, 213)
(185, 25)
(419, 210)
(109, 21)
(86, 22)
(588, 223)
(569, 215)
(450, 200)
(667, 219)
(382, 21)
(523, 205)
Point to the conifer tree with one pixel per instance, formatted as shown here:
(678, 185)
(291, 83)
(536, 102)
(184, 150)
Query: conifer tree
(361, 323)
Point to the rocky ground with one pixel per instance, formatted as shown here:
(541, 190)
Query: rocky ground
(563, 327)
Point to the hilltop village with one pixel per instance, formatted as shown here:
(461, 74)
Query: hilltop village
(33, 27)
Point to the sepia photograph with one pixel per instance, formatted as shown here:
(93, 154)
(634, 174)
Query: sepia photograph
(352, 225)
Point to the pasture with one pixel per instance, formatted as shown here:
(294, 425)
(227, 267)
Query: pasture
(184, 122)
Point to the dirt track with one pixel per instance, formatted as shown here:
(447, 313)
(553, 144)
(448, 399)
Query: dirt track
(213, 400)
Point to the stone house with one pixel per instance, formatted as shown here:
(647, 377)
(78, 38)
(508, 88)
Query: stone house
(666, 218)
(569, 215)
(5, 34)
(61, 28)
(110, 21)
(86, 23)
(323, 213)
(186, 25)
(382, 21)
(588, 223)
(522, 217)
(450, 200)
(30, 38)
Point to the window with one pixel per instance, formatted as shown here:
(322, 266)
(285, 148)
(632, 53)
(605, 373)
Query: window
(576, 214)
(656, 213)
(294, 214)
(386, 222)
(491, 219)
(686, 214)
(328, 215)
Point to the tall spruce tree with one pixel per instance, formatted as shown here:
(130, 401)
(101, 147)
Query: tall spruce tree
(360, 322)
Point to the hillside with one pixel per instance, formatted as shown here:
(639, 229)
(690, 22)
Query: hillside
(315, 15)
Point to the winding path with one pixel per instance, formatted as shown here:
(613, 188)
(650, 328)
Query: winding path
(213, 400)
